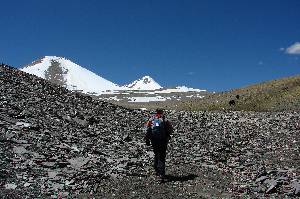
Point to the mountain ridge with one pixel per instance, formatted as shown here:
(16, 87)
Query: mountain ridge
(75, 77)
(71, 73)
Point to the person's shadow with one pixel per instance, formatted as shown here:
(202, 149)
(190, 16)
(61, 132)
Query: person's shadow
(172, 178)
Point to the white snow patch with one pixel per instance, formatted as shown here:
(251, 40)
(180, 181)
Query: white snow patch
(186, 89)
(115, 98)
(146, 99)
(196, 96)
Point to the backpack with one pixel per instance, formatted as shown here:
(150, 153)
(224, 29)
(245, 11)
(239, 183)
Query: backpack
(158, 130)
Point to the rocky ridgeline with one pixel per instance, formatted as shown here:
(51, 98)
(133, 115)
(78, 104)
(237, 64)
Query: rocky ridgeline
(53, 140)
(57, 142)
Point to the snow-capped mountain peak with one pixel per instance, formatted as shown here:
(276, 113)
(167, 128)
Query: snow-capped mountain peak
(147, 79)
(144, 83)
(64, 72)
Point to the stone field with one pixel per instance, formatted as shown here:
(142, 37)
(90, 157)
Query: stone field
(60, 144)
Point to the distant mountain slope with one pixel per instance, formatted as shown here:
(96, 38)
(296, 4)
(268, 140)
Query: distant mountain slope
(66, 73)
(275, 95)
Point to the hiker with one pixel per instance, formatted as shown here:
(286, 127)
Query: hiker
(158, 131)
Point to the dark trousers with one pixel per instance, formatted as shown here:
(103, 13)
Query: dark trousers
(160, 152)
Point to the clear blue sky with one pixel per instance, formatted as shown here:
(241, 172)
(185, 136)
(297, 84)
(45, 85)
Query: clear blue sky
(215, 45)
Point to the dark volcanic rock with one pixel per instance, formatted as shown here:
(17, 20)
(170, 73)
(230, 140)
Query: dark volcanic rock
(54, 142)
(49, 137)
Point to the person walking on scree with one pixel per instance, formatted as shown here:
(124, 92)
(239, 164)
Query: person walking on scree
(158, 132)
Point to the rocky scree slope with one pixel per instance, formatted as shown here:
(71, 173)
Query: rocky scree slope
(53, 140)
(224, 155)
(57, 142)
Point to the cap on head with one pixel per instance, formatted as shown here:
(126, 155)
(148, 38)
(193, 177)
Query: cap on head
(159, 111)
